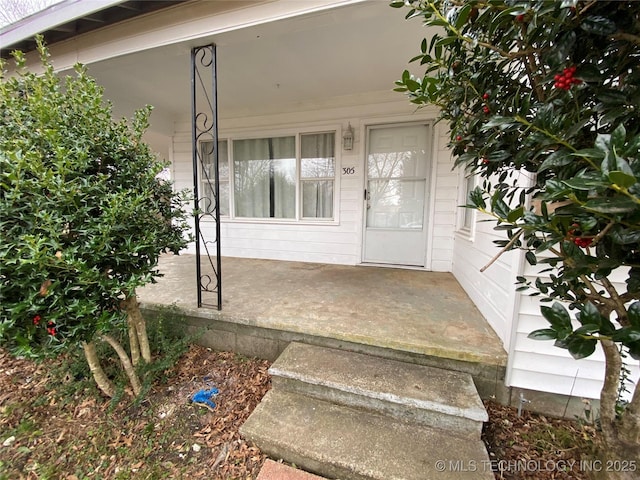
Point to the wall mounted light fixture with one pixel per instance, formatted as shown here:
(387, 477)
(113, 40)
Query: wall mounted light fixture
(347, 138)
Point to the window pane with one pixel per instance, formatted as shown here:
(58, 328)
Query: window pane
(317, 199)
(223, 159)
(207, 202)
(467, 213)
(395, 204)
(207, 159)
(317, 155)
(265, 177)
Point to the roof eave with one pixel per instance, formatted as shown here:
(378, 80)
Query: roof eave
(50, 18)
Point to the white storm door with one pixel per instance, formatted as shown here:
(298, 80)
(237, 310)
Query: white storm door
(396, 193)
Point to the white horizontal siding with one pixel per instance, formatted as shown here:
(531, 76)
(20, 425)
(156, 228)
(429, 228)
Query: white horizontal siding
(442, 227)
(332, 242)
(492, 290)
(539, 365)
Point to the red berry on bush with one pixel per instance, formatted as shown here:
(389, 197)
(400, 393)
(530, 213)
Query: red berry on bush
(583, 242)
(567, 79)
(485, 96)
(458, 138)
(486, 109)
(520, 18)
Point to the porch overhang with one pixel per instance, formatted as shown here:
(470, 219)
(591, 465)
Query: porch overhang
(273, 56)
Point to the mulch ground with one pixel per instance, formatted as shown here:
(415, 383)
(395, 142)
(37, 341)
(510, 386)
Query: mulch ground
(54, 427)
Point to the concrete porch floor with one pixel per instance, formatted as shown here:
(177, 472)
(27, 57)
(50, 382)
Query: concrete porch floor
(407, 313)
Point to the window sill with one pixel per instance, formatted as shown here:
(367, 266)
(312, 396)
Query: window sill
(279, 221)
(466, 234)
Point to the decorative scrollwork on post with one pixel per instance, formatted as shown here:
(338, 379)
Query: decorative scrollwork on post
(206, 177)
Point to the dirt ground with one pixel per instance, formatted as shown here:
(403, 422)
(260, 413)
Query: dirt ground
(55, 427)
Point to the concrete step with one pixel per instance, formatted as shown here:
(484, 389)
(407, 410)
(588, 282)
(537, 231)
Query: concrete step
(409, 392)
(337, 441)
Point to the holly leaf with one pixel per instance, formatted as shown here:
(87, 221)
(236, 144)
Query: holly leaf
(515, 214)
(589, 315)
(559, 319)
(582, 183)
(626, 335)
(622, 179)
(531, 258)
(498, 121)
(543, 334)
(611, 205)
(580, 347)
(625, 236)
(559, 158)
(633, 313)
(598, 25)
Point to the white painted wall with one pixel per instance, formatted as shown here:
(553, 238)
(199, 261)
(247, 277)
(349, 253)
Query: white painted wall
(338, 242)
(492, 291)
(532, 364)
(538, 365)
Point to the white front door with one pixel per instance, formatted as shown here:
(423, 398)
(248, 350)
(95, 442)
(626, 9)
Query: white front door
(395, 229)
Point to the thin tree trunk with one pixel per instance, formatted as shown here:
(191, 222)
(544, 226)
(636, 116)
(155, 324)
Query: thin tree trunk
(134, 346)
(126, 363)
(630, 424)
(609, 393)
(621, 436)
(136, 319)
(101, 379)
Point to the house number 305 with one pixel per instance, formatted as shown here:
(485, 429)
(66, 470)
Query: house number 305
(348, 170)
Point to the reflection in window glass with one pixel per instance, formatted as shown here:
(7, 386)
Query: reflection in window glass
(265, 177)
(468, 213)
(317, 172)
(396, 203)
(207, 204)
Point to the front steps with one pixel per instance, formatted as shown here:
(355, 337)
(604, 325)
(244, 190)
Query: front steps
(353, 416)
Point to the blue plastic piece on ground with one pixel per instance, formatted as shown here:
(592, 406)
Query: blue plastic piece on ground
(203, 397)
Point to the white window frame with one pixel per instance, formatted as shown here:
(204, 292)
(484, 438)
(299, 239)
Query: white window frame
(468, 181)
(299, 219)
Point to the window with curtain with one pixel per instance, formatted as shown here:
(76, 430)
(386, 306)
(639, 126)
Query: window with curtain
(265, 177)
(317, 173)
(208, 177)
(289, 177)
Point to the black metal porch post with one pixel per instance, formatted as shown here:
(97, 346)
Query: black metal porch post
(204, 132)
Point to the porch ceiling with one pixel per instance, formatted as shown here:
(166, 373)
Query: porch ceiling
(272, 67)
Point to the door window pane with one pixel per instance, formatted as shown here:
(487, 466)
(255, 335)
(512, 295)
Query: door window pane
(395, 204)
(397, 152)
(396, 169)
(265, 177)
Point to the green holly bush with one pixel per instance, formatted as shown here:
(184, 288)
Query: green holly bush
(84, 215)
(549, 92)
